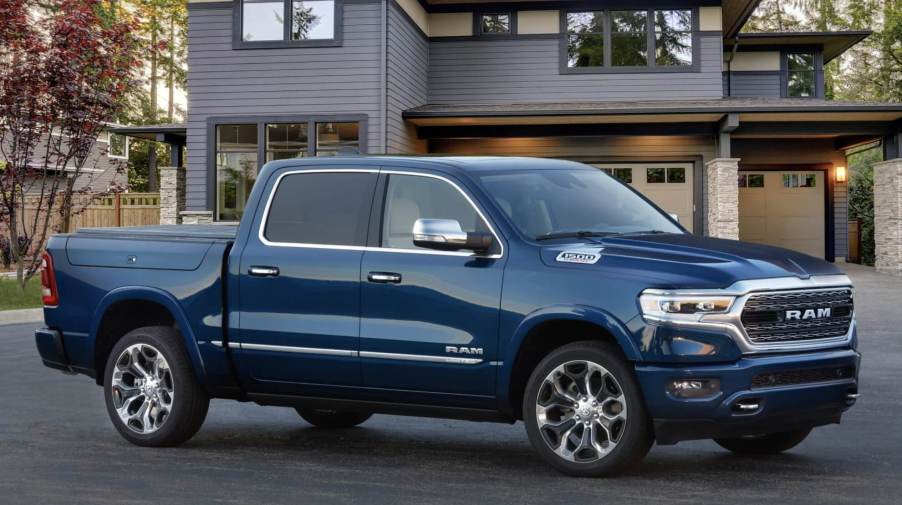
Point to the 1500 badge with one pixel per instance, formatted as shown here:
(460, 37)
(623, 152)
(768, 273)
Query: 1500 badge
(583, 256)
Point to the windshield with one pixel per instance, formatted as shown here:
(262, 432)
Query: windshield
(551, 204)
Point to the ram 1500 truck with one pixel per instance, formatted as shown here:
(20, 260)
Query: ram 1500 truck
(494, 289)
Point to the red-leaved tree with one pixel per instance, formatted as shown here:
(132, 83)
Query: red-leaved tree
(64, 68)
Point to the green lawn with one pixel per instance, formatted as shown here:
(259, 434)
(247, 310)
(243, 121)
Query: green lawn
(12, 298)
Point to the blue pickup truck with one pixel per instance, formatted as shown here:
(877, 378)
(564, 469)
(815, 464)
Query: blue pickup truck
(486, 289)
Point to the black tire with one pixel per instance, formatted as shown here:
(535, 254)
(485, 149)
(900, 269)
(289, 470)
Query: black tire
(771, 443)
(635, 433)
(332, 419)
(189, 401)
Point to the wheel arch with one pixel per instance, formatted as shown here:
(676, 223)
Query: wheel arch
(539, 333)
(156, 308)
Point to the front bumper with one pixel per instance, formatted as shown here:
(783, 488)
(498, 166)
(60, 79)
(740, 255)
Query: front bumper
(816, 399)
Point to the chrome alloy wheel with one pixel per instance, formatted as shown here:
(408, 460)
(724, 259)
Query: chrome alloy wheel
(142, 388)
(581, 411)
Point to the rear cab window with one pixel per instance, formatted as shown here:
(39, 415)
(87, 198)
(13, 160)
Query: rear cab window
(320, 208)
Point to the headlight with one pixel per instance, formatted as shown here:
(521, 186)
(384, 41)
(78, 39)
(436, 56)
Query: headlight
(676, 307)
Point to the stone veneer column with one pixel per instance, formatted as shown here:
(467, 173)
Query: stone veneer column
(888, 216)
(722, 196)
(172, 194)
(197, 217)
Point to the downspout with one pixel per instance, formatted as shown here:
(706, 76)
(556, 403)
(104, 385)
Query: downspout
(383, 95)
(730, 65)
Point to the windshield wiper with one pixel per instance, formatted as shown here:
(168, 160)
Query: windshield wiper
(644, 232)
(573, 234)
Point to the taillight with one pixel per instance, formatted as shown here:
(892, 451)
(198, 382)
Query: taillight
(49, 294)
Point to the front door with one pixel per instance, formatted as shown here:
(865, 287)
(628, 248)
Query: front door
(430, 318)
(299, 287)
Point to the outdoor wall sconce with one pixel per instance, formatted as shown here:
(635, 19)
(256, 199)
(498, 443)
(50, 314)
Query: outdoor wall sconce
(839, 174)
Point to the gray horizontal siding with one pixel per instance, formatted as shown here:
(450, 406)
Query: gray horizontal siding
(406, 81)
(285, 81)
(753, 84)
(527, 70)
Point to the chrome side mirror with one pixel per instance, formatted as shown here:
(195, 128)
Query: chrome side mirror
(447, 235)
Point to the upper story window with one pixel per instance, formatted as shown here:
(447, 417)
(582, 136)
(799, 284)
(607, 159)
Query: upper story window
(629, 39)
(268, 23)
(497, 23)
(801, 75)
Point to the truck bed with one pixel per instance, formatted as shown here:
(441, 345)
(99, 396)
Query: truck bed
(169, 231)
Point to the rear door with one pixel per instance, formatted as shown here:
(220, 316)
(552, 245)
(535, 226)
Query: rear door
(429, 318)
(299, 288)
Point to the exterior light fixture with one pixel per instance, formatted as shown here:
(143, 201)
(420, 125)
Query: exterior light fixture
(839, 174)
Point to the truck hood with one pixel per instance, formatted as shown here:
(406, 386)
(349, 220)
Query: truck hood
(671, 261)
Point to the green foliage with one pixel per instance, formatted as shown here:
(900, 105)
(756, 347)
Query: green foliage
(861, 197)
(13, 297)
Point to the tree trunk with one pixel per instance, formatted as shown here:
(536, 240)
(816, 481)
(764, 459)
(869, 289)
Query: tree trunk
(152, 183)
(170, 109)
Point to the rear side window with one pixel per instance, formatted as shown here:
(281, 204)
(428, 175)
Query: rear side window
(321, 208)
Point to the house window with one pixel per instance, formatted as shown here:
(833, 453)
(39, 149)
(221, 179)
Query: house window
(659, 175)
(751, 180)
(238, 153)
(585, 39)
(673, 37)
(624, 174)
(337, 138)
(800, 75)
(799, 180)
(495, 23)
(629, 38)
(118, 146)
(284, 141)
(628, 34)
(236, 168)
(287, 20)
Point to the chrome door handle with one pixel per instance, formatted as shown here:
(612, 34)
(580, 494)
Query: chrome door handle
(258, 271)
(384, 277)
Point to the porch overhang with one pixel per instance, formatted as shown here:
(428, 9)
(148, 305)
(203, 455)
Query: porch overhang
(750, 118)
(173, 133)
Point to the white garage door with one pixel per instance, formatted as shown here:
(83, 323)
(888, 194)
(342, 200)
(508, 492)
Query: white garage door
(669, 185)
(784, 209)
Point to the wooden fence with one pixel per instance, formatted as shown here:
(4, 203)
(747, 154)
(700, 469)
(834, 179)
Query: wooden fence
(125, 209)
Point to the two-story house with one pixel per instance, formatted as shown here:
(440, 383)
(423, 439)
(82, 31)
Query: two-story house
(728, 130)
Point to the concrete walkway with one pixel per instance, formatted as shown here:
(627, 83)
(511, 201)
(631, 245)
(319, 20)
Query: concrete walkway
(21, 316)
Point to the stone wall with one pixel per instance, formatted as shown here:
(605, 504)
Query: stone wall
(197, 217)
(888, 216)
(172, 194)
(722, 197)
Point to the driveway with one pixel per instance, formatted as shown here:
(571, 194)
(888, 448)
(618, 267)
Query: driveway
(57, 446)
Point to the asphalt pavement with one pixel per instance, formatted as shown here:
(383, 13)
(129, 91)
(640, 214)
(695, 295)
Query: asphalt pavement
(58, 446)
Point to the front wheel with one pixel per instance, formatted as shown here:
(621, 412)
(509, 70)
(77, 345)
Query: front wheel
(771, 443)
(152, 395)
(322, 418)
(584, 413)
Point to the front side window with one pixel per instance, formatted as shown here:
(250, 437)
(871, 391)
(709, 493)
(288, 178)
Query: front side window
(629, 38)
(545, 204)
(412, 197)
(495, 23)
(236, 168)
(295, 20)
(321, 208)
(800, 75)
(673, 37)
(585, 39)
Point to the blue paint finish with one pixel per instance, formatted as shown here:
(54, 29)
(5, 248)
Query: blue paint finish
(322, 304)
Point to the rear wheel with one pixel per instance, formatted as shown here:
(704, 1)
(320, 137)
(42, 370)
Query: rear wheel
(584, 413)
(771, 443)
(152, 395)
(323, 418)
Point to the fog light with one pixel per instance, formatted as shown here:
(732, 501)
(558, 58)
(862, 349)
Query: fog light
(693, 388)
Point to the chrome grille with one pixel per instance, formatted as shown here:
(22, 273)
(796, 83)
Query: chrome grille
(765, 321)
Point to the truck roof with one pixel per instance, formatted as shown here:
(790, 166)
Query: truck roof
(448, 163)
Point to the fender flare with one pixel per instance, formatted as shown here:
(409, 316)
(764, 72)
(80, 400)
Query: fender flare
(169, 302)
(581, 313)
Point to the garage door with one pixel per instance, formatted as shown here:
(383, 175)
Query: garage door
(669, 185)
(785, 209)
